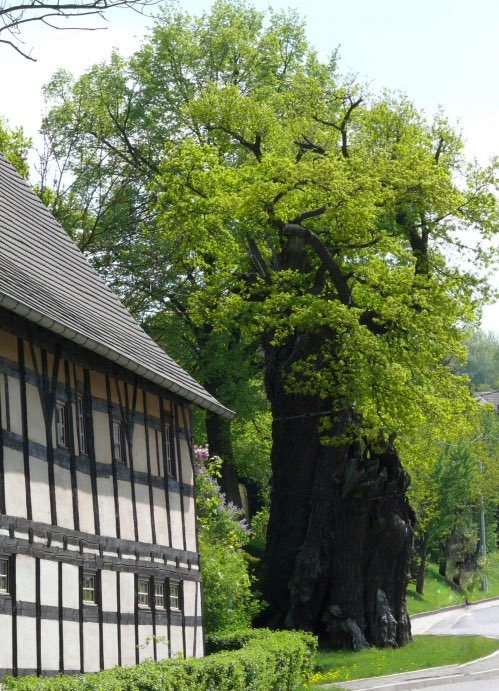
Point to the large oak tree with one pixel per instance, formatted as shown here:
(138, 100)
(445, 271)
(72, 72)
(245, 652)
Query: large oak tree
(321, 220)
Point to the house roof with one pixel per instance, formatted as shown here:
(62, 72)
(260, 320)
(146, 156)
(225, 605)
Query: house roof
(46, 279)
(489, 397)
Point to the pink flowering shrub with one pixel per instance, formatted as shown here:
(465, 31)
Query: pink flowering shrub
(218, 520)
(223, 531)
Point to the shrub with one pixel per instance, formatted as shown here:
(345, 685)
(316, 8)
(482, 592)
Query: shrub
(258, 660)
(259, 525)
(229, 602)
(235, 640)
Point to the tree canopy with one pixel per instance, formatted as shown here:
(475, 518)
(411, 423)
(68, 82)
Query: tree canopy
(15, 145)
(271, 199)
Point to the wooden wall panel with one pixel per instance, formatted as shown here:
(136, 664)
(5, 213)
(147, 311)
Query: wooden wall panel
(59, 502)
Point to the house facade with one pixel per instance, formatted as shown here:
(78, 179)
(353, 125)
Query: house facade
(99, 563)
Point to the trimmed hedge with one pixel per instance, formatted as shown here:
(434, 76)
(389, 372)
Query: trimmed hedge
(235, 640)
(249, 660)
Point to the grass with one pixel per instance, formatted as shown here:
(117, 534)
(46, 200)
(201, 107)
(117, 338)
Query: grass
(425, 651)
(440, 592)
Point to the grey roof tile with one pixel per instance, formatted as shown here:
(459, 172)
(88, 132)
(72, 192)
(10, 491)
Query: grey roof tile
(44, 277)
(488, 397)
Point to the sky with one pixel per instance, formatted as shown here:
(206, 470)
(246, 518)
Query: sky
(441, 53)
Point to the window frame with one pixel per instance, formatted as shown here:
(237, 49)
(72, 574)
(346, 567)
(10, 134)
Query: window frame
(118, 424)
(81, 424)
(178, 596)
(170, 456)
(7, 575)
(93, 590)
(160, 584)
(62, 440)
(144, 592)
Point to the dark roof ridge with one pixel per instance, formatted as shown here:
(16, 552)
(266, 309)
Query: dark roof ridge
(39, 263)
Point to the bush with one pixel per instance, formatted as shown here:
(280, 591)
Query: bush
(235, 640)
(258, 660)
(229, 600)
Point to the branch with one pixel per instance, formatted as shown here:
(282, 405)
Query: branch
(308, 145)
(333, 268)
(342, 127)
(12, 45)
(14, 16)
(254, 147)
(369, 318)
(310, 214)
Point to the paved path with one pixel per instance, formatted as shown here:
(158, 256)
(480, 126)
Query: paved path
(481, 674)
(481, 619)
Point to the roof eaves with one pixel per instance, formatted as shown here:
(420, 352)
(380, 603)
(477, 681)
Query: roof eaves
(115, 356)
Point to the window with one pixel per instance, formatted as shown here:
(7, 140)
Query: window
(174, 595)
(89, 591)
(159, 595)
(170, 459)
(82, 433)
(118, 442)
(4, 575)
(61, 424)
(143, 592)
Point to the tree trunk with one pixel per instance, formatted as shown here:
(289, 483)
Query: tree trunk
(442, 567)
(220, 444)
(340, 530)
(422, 564)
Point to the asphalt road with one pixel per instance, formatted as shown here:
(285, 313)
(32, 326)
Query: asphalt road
(477, 685)
(481, 619)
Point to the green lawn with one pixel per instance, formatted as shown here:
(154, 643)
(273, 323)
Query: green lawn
(439, 592)
(425, 651)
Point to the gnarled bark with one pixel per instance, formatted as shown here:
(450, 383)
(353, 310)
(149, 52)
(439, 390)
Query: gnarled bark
(340, 530)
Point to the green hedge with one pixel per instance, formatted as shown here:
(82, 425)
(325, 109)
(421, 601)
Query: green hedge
(235, 640)
(258, 660)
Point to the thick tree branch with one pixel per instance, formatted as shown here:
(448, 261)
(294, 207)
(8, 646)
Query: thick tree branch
(254, 147)
(307, 145)
(333, 268)
(342, 126)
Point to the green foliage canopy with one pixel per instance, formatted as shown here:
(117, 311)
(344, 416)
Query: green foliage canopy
(15, 146)
(270, 193)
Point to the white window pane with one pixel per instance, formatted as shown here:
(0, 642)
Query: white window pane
(170, 463)
(174, 596)
(60, 419)
(88, 594)
(159, 595)
(117, 441)
(82, 437)
(4, 575)
(143, 592)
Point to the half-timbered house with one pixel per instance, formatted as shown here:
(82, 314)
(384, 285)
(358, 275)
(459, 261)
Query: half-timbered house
(98, 551)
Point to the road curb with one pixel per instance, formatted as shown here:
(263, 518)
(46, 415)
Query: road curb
(452, 607)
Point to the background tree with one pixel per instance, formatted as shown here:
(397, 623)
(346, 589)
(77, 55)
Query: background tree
(15, 146)
(296, 209)
(103, 148)
(482, 365)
